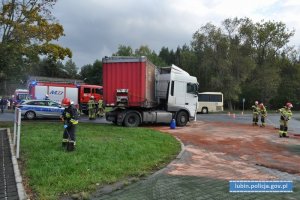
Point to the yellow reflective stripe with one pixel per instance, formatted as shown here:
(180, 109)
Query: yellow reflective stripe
(73, 121)
(65, 140)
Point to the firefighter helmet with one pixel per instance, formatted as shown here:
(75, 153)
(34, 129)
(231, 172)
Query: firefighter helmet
(289, 105)
(256, 102)
(92, 97)
(66, 102)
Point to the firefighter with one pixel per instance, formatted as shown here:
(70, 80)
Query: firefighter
(286, 115)
(92, 108)
(100, 108)
(263, 114)
(255, 112)
(70, 119)
(46, 97)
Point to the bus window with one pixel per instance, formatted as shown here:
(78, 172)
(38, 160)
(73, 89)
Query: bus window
(203, 97)
(215, 98)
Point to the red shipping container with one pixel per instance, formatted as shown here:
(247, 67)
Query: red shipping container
(128, 82)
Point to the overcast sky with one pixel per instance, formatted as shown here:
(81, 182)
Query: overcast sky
(95, 28)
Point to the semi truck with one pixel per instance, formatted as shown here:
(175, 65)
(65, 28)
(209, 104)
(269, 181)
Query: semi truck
(58, 88)
(140, 92)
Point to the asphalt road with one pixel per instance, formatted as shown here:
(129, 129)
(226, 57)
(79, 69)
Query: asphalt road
(272, 119)
(8, 116)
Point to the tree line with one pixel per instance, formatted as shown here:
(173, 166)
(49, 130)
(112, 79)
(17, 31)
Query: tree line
(241, 58)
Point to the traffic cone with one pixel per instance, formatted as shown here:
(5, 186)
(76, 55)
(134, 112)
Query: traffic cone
(173, 124)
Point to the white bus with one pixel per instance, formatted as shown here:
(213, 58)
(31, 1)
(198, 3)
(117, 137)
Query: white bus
(210, 102)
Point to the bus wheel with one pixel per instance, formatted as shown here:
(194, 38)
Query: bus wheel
(204, 110)
(132, 120)
(182, 118)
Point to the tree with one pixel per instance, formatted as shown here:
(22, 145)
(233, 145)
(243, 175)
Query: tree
(269, 40)
(143, 50)
(224, 63)
(71, 69)
(124, 51)
(49, 68)
(92, 74)
(27, 30)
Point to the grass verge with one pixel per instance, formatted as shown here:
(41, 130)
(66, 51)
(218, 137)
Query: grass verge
(104, 154)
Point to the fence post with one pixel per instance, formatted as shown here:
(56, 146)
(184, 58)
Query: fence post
(15, 127)
(18, 132)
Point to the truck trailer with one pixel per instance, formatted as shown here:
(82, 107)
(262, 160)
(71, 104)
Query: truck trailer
(140, 92)
(59, 88)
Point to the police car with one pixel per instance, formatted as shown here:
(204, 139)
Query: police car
(32, 109)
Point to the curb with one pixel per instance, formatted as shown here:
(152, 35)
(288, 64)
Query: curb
(18, 177)
(182, 148)
(178, 157)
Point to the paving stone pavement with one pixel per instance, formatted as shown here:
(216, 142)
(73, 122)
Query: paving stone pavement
(176, 186)
(8, 186)
(163, 186)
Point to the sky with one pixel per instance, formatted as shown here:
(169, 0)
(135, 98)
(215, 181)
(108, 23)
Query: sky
(95, 28)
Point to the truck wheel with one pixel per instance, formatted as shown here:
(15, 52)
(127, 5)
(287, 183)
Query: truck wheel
(182, 118)
(132, 120)
(204, 110)
(30, 115)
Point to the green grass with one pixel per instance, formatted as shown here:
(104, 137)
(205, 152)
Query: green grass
(104, 154)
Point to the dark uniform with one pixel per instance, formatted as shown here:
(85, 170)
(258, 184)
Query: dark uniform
(70, 117)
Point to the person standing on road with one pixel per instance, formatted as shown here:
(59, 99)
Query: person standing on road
(70, 119)
(255, 112)
(46, 97)
(263, 114)
(8, 104)
(92, 108)
(286, 115)
(2, 104)
(100, 108)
